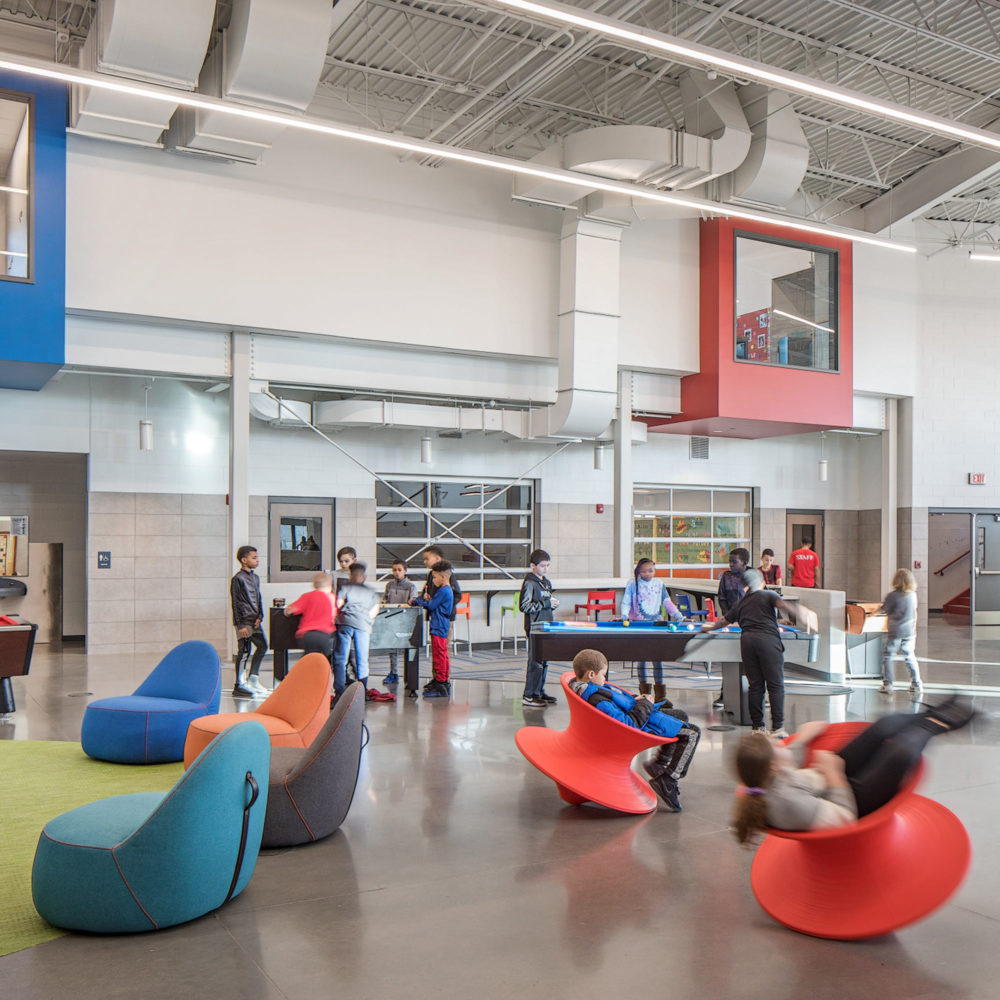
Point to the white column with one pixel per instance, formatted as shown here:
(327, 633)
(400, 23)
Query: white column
(239, 450)
(623, 554)
(890, 495)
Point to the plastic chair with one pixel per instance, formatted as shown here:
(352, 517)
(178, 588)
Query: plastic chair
(293, 715)
(709, 609)
(147, 861)
(311, 790)
(683, 604)
(868, 878)
(150, 726)
(590, 761)
(514, 609)
(598, 601)
(463, 610)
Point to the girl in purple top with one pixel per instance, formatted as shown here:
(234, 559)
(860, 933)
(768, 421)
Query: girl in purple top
(646, 600)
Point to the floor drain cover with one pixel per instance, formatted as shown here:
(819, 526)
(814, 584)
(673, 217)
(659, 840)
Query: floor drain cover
(80, 694)
(721, 729)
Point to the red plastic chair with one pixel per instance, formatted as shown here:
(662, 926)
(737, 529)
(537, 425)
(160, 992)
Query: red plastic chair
(871, 877)
(590, 761)
(598, 601)
(709, 609)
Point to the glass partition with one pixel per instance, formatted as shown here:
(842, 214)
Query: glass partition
(786, 304)
(16, 163)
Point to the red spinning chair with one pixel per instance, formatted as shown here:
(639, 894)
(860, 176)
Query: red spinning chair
(871, 877)
(590, 761)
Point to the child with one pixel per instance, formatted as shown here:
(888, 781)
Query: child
(346, 557)
(901, 606)
(836, 788)
(357, 606)
(244, 592)
(672, 760)
(432, 555)
(318, 611)
(536, 604)
(646, 600)
(761, 649)
(769, 569)
(440, 606)
(398, 590)
(731, 585)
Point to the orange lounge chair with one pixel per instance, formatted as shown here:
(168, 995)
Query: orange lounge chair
(590, 761)
(293, 715)
(868, 878)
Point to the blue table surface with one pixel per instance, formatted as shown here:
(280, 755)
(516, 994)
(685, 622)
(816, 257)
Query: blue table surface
(644, 627)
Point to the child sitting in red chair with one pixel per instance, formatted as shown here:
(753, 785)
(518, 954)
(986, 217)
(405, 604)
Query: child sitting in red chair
(672, 760)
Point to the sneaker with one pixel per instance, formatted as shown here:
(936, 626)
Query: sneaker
(780, 733)
(392, 677)
(440, 689)
(954, 712)
(549, 699)
(532, 702)
(254, 684)
(430, 684)
(719, 702)
(916, 691)
(241, 692)
(668, 791)
(886, 689)
(759, 729)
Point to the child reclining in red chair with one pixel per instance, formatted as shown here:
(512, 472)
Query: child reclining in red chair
(672, 760)
(836, 788)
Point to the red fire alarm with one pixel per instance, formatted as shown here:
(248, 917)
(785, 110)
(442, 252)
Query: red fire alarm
(599, 508)
(916, 564)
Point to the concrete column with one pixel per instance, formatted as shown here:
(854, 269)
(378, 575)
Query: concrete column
(239, 450)
(623, 553)
(890, 495)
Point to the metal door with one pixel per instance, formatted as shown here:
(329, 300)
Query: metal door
(986, 569)
(800, 525)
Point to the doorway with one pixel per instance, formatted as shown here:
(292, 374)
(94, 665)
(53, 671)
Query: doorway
(949, 561)
(801, 525)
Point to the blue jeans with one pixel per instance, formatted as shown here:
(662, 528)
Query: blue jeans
(657, 671)
(349, 637)
(905, 648)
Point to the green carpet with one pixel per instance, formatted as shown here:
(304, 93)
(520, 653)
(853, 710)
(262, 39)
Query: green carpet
(40, 780)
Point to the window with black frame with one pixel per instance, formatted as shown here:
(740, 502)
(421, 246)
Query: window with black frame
(785, 304)
(491, 524)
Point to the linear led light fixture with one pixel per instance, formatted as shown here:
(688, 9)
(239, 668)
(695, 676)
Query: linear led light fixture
(691, 52)
(86, 78)
(802, 319)
(12, 253)
(12, 190)
(985, 256)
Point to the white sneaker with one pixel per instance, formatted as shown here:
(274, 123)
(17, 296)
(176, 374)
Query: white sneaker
(916, 692)
(886, 689)
(255, 685)
(780, 734)
(759, 729)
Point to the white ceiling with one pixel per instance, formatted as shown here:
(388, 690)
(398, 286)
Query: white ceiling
(489, 80)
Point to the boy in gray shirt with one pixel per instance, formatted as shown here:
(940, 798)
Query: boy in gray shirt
(357, 606)
(398, 590)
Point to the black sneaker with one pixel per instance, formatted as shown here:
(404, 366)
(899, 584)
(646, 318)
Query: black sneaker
(241, 692)
(666, 788)
(719, 702)
(392, 677)
(530, 701)
(430, 684)
(953, 712)
(438, 689)
(549, 699)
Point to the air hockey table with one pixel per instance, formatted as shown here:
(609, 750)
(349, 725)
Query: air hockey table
(674, 642)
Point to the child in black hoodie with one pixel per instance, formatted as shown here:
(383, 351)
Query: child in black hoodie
(537, 603)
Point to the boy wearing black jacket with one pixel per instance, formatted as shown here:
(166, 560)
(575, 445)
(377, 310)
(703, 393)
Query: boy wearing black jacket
(536, 603)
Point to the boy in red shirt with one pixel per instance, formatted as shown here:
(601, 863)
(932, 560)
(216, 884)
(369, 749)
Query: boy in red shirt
(802, 566)
(318, 612)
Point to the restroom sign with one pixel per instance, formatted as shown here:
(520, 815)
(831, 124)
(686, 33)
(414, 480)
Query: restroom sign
(977, 478)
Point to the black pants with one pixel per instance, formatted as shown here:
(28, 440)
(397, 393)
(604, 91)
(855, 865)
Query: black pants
(258, 641)
(764, 663)
(877, 761)
(674, 759)
(318, 642)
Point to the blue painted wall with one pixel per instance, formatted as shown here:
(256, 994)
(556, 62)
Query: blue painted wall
(33, 315)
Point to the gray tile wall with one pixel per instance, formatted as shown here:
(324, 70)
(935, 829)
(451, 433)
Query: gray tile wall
(580, 541)
(169, 575)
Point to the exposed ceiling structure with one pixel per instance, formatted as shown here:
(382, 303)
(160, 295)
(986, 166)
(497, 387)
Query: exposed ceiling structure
(492, 80)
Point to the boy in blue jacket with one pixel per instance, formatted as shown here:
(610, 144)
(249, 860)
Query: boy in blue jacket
(672, 760)
(440, 606)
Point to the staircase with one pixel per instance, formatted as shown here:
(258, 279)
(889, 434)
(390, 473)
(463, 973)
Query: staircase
(959, 604)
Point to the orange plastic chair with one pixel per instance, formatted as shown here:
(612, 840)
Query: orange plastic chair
(293, 715)
(598, 601)
(868, 878)
(590, 761)
(463, 610)
(709, 609)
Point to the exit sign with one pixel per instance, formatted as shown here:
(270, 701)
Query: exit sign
(977, 478)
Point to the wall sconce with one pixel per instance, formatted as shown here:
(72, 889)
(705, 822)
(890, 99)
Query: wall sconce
(824, 465)
(146, 426)
(425, 451)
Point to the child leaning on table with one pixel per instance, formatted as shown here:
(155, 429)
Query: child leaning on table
(398, 590)
(672, 760)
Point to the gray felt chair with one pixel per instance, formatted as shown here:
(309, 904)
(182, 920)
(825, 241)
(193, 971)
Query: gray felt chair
(310, 790)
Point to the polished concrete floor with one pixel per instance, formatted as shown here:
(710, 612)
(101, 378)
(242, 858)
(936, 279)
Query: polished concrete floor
(460, 873)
